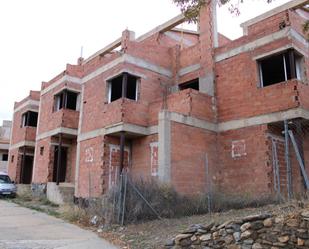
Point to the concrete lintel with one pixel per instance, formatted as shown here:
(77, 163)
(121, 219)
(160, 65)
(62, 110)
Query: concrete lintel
(195, 122)
(124, 70)
(91, 134)
(60, 81)
(179, 38)
(29, 103)
(164, 156)
(189, 69)
(4, 146)
(147, 65)
(288, 5)
(163, 27)
(294, 34)
(130, 128)
(105, 50)
(63, 130)
(131, 60)
(263, 119)
(253, 44)
(22, 144)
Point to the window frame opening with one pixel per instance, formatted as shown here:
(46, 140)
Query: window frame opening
(191, 84)
(123, 82)
(280, 67)
(5, 157)
(66, 99)
(29, 119)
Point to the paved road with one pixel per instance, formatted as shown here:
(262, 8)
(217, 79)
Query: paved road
(22, 228)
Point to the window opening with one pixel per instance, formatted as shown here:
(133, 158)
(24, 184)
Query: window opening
(30, 119)
(5, 157)
(123, 86)
(66, 100)
(193, 84)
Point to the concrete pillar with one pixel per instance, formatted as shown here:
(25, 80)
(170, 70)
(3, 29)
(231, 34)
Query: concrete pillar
(208, 41)
(164, 132)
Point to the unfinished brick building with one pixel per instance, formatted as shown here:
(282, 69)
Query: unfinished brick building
(5, 134)
(21, 154)
(191, 109)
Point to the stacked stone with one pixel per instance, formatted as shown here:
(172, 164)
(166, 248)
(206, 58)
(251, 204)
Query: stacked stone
(263, 231)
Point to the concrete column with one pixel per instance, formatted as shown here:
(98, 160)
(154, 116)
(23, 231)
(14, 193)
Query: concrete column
(164, 132)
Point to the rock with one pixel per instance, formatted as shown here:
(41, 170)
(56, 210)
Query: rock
(233, 247)
(191, 230)
(245, 226)
(202, 231)
(185, 242)
(283, 239)
(246, 234)
(222, 232)
(257, 246)
(248, 241)
(279, 220)
(170, 242)
(229, 239)
(205, 237)
(257, 225)
(235, 227)
(256, 217)
(194, 238)
(236, 236)
(292, 223)
(305, 214)
(300, 242)
(224, 224)
(181, 236)
(268, 222)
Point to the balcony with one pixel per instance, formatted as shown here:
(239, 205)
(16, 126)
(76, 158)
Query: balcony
(256, 101)
(65, 118)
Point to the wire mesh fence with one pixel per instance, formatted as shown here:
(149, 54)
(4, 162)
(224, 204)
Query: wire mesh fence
(133, 199)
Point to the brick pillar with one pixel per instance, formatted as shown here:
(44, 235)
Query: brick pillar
(127, 36)
(208, 40)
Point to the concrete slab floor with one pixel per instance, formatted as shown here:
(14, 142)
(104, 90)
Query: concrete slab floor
(22, 228)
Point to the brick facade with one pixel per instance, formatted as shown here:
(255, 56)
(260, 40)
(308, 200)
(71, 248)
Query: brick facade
(219, 136)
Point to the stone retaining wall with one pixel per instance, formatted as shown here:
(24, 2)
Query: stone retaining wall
(264, 231)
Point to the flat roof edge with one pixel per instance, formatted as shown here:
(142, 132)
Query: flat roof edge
(289, 5)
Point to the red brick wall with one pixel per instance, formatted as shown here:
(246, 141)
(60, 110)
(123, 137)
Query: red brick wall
(141, 157)
(13, 166)
(248, 172)
(43, 163)
(189, 146)
(49, 119)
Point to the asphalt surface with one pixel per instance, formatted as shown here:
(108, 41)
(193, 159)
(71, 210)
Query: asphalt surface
(22, 228)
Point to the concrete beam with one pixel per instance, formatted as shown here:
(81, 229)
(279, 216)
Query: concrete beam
(130, 128)
(105, 50)
(254, 44)
(28, 104)
(131, 60)
(63, 130)
(60, 81)
(289, 5)
(163, 27)
(22, 144)
(189, 69)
